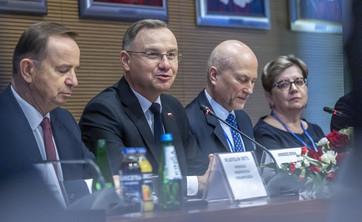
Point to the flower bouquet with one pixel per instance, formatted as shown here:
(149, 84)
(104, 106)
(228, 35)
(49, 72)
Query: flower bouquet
(317, 169)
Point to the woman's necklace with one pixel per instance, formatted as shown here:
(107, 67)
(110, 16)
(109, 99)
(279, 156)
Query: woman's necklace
(286, 128)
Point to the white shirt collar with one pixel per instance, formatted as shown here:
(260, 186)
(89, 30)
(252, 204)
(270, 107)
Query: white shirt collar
(32, 115)
(218, 109)
(145, 103)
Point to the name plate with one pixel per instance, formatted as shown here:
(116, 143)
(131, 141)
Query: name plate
(286, 155)
(242, 175)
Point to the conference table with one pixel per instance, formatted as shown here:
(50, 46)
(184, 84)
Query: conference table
(276, 210)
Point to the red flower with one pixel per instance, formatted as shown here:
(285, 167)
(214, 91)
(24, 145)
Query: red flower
(317, 155)
(339, 158)
(337, 142)
(320, 152)
(314, 168)
(304, 150)
(292, 168)
(330, 177)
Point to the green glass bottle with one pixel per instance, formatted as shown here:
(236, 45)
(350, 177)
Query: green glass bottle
(169, 176)
(103, 163)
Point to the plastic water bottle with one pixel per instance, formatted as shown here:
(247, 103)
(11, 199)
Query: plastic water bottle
(146, 171)
(131, 181)
(169, 176)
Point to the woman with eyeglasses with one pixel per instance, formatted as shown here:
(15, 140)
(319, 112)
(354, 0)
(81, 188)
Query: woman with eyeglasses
(285, 84)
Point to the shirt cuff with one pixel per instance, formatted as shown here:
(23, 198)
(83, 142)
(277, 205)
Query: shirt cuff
(192, 185)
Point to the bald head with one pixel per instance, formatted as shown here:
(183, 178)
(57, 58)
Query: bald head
(231, 74)
(229, 52)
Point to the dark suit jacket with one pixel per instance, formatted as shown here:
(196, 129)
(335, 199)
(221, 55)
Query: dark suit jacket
(116, 116)
(18, 147)
(208, 131)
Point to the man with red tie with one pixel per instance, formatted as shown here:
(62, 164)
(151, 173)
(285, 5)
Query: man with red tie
(32, 126)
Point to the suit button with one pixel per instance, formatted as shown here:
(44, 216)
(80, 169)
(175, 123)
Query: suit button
(71, 197)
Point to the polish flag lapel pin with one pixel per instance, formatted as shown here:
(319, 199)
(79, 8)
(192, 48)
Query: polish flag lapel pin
(169, 114)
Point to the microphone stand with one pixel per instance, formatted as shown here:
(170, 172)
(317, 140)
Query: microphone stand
(208, 111)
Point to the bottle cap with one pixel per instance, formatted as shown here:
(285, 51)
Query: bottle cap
(166, 137)
(129, 150)
(101, 142)
(141, 150)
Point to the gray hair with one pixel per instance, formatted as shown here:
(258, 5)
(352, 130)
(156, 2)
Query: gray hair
(275, 67)
(136, 27)
(33, 42)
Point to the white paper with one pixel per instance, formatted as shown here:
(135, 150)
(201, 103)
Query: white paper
(288, 155)
(50, 178)
(242, 175)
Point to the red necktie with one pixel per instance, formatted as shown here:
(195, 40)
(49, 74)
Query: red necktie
(48, 141)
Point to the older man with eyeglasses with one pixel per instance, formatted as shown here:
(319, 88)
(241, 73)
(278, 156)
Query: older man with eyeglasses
(124, 113)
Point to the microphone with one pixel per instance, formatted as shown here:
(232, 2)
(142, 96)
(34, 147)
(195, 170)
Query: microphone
(208, 111)
(335, 112)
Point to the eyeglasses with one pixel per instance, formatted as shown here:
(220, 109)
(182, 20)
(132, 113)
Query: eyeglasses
(286, 84)
(155, 57)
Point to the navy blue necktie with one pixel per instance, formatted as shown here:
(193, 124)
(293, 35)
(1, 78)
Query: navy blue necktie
(238, 143)
(157, 124)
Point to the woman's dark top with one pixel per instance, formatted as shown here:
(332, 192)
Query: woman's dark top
(274, 138)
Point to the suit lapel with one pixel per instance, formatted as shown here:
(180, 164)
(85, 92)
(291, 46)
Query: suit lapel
(242, 127)
(134, 112)
(213, 122)
(170, 125)
(58, 134)
(218, 131)
(169, 121)
(20, 124)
